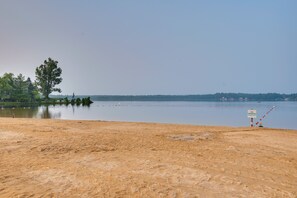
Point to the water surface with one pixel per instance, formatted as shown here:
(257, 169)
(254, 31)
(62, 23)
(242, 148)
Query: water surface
(197, 113)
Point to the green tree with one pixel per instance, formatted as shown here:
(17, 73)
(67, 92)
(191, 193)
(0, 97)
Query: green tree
(20, 89)
(32, 91)
(6, 86)
(48, 75)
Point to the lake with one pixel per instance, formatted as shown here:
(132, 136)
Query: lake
(197, 113)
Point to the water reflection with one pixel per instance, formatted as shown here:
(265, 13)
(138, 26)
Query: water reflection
(30, 112)
(45, 113)
(20, 112)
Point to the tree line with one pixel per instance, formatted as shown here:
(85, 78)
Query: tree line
(205, 97)
(18, 89)
(22, 90)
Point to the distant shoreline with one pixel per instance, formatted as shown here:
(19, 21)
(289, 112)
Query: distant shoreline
(223, 97)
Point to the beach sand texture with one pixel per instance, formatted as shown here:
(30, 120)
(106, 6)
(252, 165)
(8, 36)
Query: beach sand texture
(58, 158)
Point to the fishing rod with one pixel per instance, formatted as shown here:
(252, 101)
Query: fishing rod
(265, 115)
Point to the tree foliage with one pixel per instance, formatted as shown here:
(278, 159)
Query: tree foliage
(22, 90)
(48, 75)
(17, 89)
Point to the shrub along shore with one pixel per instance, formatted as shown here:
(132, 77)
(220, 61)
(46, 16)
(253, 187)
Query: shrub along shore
(53, 101)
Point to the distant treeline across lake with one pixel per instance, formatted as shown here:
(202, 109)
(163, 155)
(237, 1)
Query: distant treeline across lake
(205, 97)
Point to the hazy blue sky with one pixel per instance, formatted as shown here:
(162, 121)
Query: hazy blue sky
(154, 47)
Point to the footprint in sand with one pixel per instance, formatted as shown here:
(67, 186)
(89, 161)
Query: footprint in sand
(93, 162)
(8, 135)
(57, 180)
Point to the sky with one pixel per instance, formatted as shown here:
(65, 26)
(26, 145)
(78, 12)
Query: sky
(132, 47)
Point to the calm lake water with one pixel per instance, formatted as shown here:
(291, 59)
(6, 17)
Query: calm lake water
(197, 113)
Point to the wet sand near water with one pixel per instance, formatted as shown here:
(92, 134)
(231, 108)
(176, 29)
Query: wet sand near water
(59, 158)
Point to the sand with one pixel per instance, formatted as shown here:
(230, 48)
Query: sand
(57, 158)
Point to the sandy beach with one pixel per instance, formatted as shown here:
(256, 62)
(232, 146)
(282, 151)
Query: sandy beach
(58, 158)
